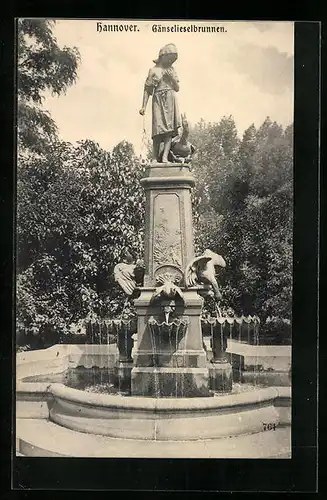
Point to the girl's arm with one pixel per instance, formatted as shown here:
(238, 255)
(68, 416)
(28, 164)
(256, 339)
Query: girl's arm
(148, 88)
(145, 101)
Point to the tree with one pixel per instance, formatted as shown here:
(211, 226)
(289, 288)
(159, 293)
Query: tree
(217, 147)
(244, 205)
(42, 66)
(214, 163)
(78, 210)
(47, 195)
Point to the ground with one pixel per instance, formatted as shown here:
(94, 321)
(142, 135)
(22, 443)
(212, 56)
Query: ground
(44, 438)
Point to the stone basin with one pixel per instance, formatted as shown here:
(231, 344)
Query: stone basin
(167, 418)
(137, 417)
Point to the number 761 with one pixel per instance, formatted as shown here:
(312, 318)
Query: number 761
(269, 426)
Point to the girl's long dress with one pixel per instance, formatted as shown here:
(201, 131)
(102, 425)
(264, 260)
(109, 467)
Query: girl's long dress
(165, 113)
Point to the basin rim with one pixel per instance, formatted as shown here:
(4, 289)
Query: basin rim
(142, 403)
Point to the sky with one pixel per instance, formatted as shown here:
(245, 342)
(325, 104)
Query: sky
(246, 72)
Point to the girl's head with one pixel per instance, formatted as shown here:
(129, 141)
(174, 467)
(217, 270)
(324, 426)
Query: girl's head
(167, 55)
(167, 60)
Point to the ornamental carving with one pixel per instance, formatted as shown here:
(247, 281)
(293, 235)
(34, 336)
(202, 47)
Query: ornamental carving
(167, 240)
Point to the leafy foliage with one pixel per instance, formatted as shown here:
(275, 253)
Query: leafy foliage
(78, 210)
(244, 203)
(42, 66)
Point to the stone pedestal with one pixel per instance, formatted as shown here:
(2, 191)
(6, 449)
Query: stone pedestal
(123, 371)
(125, 340)
(170, 359)
(220, 377)
(168, 224)
(124, 330)
(220, 370)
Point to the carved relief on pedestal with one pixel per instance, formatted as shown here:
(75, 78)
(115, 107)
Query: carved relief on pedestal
(168, 272)
(167, 234)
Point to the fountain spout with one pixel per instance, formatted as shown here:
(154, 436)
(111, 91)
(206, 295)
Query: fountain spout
(168, 309)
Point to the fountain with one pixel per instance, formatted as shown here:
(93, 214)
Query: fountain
(175, 392)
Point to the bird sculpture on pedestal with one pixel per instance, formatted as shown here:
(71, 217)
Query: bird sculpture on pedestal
(129, 275)
(201, 270)
(181, 150)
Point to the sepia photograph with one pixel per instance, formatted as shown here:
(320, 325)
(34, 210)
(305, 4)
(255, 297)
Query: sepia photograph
(154, 239)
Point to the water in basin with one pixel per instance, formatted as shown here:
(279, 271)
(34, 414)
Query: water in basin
(103, 381)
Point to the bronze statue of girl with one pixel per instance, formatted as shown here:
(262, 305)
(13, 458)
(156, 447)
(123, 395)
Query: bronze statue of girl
(162, 84)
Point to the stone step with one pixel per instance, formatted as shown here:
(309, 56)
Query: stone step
(42, 438)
